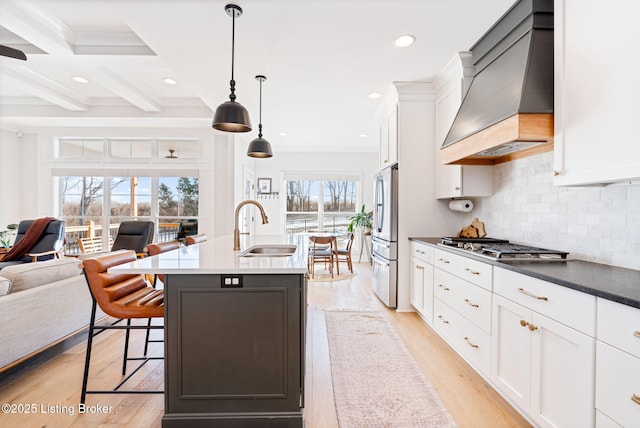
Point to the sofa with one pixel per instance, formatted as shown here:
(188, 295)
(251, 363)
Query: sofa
(41, 304)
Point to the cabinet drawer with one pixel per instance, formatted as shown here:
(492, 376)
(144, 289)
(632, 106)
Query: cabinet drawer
(604, 421)
(617, 385)
(470, 341)
(567, 306)
(473, 302)
(463, 267)
(422, 252)
(619, 326)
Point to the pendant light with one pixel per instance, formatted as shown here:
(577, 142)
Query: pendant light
(231, 116)
(259, 147)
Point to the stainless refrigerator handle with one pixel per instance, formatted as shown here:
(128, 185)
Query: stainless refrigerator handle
(373, 256)
(379, 242)
(380, 203)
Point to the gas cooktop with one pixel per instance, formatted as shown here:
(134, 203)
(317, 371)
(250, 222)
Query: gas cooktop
(503, 250)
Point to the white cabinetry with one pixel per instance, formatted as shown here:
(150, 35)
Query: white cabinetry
(455, 181)
(462, 307)
(422, 280)
(543, 355)
(617, 365)
(389, 138)
(596, 92)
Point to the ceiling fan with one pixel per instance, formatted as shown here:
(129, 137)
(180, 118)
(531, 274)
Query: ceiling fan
(171, 154)
(12, 53)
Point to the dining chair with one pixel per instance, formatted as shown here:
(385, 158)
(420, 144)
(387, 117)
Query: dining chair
(323, 249)
(344, 254)
(122, 296)
(134, 235)
(93, 244)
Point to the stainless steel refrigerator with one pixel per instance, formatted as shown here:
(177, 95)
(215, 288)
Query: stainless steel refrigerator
(385, 236)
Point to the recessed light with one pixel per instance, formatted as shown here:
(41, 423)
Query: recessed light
(363, 135)
(405, 40)
(169, 81)
(79, 79)
(375, 95)
(283, 134)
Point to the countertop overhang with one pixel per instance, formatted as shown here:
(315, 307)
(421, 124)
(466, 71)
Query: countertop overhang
(216, 256)
(609, 282)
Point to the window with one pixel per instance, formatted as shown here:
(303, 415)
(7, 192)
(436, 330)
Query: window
(81, 199)
(88, 207)
(305, 212)
(81, 148)
(130, 149)
(178, 196)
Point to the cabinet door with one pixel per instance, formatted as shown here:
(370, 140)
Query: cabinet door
(389, 138)
(562, 375)
(384, 144)
(596, 89)
(422, 288)
(427, 293)
(392, 124)
(417, 284)
(511, 351)
(448, 177)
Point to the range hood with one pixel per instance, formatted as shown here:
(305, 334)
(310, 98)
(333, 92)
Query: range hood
(507, 112)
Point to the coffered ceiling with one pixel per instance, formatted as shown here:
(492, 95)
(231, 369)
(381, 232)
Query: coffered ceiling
(321, 58)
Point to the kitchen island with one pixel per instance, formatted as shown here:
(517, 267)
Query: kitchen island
(234, 331)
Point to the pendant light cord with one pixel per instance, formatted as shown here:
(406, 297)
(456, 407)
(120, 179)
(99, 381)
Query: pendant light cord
(260, 119)
(232, 96)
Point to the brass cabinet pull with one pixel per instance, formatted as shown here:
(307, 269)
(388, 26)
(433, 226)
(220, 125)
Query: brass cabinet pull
(472, 272)
(556, 173)
(635, 398)
(637, 333)
(526, 293)
(470, 343)
(467, 301)
(443, 287)
(443, 261)
(531, 327)
(443, 320)
(419, 251)
(419, 267)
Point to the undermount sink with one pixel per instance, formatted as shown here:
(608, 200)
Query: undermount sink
(269, 250)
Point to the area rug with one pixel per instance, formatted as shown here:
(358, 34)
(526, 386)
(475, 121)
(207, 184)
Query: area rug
(325, 275)
(376, 380)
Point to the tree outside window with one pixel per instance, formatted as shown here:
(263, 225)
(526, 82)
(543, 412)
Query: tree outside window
(304, 212)
(178, 196)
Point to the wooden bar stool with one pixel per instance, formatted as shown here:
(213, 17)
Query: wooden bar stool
(195, 239)
(158, 248)
(123, 296)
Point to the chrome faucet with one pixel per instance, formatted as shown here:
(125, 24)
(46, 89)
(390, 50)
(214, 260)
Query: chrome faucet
(236, 230)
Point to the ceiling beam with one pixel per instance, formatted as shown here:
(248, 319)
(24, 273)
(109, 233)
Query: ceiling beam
(126, 86)
(28, 22)
(42, 87)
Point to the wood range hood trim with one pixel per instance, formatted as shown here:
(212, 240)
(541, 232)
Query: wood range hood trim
(521, 127)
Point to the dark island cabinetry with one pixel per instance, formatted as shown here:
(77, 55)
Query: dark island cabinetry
(234, 350)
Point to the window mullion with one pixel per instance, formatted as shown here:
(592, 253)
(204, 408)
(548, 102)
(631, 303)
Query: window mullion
(321, 204)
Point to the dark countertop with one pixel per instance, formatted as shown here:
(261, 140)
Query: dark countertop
(610, 282)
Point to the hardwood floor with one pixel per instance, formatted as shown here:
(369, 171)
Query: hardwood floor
(52, 384)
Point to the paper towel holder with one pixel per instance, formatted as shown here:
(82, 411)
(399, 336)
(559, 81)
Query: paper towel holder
(461, 205)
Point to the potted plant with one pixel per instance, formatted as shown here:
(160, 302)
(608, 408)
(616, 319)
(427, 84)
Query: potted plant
(7, 235)
(362, 220)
